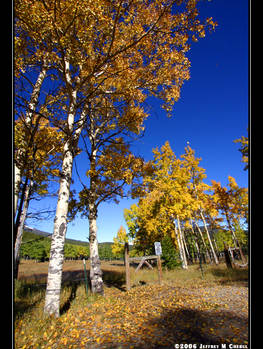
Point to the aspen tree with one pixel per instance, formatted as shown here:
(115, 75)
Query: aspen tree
(182, 252)
(203, 240)
(197, 187)
(19, 235)
(21, 155)
(112, 169)
(232, 203)
(130, 49)
(165, 198)
(119, 242)
(41, 145)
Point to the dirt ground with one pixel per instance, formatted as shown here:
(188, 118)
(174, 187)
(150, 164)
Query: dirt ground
(148, 316)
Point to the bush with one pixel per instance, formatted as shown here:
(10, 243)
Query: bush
(170, 256)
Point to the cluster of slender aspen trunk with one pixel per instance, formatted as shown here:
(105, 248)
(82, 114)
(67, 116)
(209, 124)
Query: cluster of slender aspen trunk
(19, 167)
(77, 58)
(182, 244)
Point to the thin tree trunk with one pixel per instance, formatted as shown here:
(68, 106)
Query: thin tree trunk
(20, 229)
(209, 239)
(53, 289)
(236, 242)
(20, 208)
(28, 119)
(195, 240)
(184, 265)
(198, 251)
(179, 245)
(52, 299)
(17, 181)
(185, 245)
(203, 240)
(95, 267)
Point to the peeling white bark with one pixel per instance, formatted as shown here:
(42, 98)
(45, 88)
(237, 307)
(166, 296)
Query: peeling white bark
(180, 246)
(203, 240)
(28, 118)
(20, 229)
(95, 268)
(184, 265)
(209, 239)
(52, 299)
(53, 289)
(17, 181)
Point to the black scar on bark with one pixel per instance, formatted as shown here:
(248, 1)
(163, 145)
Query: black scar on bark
(62, 228)
(95, 262)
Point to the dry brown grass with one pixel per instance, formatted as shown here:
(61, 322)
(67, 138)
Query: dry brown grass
(186, 295)
(115, 270)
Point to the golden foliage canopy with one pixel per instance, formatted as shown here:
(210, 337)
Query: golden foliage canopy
(120, 48)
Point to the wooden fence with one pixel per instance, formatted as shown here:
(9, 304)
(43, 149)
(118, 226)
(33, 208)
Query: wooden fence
(141, 260)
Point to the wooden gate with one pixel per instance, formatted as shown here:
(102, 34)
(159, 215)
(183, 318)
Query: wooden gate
(141, 260)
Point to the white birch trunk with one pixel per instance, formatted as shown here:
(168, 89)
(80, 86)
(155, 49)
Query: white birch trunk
(201, 234)
(197, 249)
(95, 267)
(236, 242)
(52, 299)
(20, 229)
(185, 245)
(53, 289)
(195, 241)
(17, 181)
(181, 247)
(185, 266)
(209, 239)
(31, 109)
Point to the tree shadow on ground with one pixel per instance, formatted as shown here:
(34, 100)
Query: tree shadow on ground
(201, 327)
(184, 326)
(73, 289)
(229, 276)
(114, 279)
(26, 296)
(36, 286)
(30, 294)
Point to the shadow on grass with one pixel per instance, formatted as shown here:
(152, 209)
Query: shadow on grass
(29, 292)
(230, 276)
(184, 326)
(197, 326)
(26, 296)
(73, 290)
(114, 279)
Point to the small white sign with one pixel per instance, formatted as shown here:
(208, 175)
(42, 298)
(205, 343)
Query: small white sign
(158, 248)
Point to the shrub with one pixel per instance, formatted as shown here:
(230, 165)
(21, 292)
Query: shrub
(170, 256)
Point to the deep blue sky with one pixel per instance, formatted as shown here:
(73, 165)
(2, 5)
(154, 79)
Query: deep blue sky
(213, 111)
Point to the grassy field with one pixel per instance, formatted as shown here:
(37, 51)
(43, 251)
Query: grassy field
(113, 321)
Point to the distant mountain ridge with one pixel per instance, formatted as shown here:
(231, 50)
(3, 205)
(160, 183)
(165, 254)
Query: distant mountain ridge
(36, 231)
(69, 241)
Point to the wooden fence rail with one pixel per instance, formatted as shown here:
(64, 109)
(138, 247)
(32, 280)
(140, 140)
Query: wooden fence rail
(142, 260)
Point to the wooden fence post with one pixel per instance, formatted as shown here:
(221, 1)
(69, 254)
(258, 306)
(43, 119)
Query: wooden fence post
(160, 274)
(127, 266)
